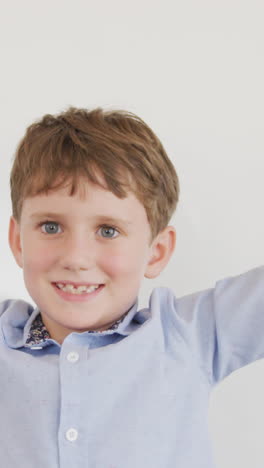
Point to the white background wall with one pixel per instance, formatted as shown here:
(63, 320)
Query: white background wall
(193, 70)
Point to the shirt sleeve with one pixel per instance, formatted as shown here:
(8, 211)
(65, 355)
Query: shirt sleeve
(224, 326)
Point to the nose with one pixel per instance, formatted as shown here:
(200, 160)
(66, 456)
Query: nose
(78, 253)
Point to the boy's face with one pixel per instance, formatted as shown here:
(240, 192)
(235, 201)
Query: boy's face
(61, 238)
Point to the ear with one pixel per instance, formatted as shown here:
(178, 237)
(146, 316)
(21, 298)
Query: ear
(161, 251)
(15, 241)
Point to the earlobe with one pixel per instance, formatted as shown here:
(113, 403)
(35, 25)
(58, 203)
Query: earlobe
(162, 250)
(14, 241)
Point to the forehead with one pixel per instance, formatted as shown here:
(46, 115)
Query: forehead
(90, 200)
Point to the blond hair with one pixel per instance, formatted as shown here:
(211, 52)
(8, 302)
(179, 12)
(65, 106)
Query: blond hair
(77, 142)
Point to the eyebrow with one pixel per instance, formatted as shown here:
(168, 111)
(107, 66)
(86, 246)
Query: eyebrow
(98, 219)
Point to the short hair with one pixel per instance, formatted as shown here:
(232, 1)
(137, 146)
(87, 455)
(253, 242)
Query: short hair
(75, 143)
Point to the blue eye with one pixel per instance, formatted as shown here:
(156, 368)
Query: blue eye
(51, 225)
(109, 229)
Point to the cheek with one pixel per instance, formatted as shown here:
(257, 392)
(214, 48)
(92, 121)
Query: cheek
(112, 264)
(36, 258)
(126, 263)
(37, 266)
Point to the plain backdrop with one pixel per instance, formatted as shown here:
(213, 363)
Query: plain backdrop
(193, 70)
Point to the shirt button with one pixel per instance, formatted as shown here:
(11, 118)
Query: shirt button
(71, 434)
(73, 356)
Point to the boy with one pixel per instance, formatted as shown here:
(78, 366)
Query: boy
(87, 379)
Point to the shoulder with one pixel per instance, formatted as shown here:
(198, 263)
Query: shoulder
(4, 305)
(18, 304)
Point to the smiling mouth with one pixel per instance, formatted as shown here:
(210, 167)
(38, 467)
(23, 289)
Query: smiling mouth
(70, 292)
(76, 289)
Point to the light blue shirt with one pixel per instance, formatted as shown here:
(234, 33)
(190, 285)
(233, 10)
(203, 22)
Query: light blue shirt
(133, 397)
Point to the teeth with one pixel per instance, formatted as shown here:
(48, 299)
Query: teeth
(79, 290)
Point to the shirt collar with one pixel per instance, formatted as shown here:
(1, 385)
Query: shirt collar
(38, 333)
(22, 326)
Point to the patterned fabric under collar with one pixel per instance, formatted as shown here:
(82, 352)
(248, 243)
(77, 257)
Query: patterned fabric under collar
(39, 333)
